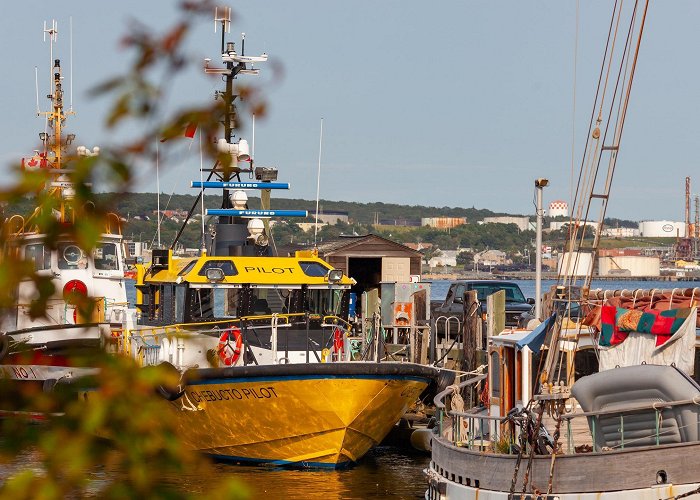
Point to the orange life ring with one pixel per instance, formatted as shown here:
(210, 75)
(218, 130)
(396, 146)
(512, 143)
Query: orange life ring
(228, 353)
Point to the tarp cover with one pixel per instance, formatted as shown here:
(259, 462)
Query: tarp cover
(535, 338)
(640, 348)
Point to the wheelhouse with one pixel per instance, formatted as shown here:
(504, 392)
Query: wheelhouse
(215, 289)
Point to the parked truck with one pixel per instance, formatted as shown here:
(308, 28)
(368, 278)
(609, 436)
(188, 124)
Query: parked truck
(453, 307)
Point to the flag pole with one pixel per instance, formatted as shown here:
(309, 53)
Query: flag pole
(318, 180)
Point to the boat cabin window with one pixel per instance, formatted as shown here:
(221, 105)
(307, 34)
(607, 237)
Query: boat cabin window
(225, 265)
(39, 255)
(188, 268)
(105, 257)
(324, 301)
(313, 269)
(495, 374)
(70, 256)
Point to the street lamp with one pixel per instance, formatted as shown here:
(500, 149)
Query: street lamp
(539, 185)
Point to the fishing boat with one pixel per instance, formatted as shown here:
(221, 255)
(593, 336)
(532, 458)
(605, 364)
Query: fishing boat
(623, 425)
(88, 309)
(271, 371)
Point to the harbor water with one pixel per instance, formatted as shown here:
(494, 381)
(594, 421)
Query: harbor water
(385, 472)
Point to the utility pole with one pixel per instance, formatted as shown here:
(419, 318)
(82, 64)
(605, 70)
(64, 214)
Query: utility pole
(539, 185)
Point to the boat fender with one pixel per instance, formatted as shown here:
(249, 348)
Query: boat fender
(230, 346)
(4, 345)
(169, 392)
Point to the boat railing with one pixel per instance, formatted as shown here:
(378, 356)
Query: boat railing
(113, 218)
(474, 430)
(449, 322)
(103, 309)
(145, 349)
(15, 221)
(335, 345)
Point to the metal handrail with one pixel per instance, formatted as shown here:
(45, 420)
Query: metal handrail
(656, 432)
(439, 396)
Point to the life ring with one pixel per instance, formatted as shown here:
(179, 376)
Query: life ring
(228, 353)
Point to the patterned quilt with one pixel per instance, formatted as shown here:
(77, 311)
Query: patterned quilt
(617, 323)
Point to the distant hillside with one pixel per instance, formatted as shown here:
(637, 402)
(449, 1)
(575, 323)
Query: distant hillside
(139, 210)
(361, 213)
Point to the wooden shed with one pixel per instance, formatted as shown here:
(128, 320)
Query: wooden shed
(371, 259)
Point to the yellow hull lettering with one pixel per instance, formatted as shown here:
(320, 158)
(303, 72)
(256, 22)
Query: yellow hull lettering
(212, 396)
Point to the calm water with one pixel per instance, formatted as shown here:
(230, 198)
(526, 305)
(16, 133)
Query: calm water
(383, 473)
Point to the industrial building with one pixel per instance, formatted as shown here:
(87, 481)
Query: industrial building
(443, 222)
(629, 265)
(522, 222)
(620, 232)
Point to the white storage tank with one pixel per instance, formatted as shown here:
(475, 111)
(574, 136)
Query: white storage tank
(661, 229)
(629, 265)
(558, 208)
(579, 266)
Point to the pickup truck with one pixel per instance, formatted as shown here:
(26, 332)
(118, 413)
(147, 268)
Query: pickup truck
(452, 306)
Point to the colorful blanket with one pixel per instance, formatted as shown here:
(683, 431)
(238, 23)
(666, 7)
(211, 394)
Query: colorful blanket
(618, 322)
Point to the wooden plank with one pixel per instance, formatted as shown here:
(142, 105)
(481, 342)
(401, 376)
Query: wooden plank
(496, 313)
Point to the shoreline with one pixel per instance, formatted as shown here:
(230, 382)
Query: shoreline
(547, 276)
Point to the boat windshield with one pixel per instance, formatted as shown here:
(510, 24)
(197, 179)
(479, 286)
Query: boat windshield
(38, 255)
(223, 303)
(105, 257)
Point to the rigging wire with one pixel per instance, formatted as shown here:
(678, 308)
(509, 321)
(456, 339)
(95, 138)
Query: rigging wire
(617, 71)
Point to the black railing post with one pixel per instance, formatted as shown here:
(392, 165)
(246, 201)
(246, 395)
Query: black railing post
(245, 343)
(306, 316)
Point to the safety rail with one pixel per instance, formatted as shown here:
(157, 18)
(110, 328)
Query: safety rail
(478, 431)
(332, 347)
(104, 310)
(146, 353)
(20, 228)
(111, 216)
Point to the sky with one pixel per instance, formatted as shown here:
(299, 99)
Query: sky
(453, 103)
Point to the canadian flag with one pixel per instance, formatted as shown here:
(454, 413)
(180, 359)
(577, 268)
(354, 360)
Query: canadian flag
(35, 162)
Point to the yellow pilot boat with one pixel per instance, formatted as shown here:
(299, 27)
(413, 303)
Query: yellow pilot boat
(284, 383)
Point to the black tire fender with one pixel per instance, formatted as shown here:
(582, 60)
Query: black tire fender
(171, 393)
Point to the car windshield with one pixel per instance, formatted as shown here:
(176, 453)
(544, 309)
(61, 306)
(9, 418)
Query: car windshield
(483, 290)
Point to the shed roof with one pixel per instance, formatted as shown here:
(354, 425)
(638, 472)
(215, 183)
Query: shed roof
(348, 243)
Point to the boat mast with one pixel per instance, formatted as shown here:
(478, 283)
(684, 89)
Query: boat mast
(595, 180)
(52, 139)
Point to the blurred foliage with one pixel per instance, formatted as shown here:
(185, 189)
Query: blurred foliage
(118, 442)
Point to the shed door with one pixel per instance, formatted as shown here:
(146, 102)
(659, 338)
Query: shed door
(396, 269)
